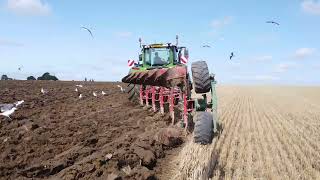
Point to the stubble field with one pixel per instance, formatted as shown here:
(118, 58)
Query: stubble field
(268, 133)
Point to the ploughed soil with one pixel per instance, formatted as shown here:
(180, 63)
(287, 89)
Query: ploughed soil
(59, 136)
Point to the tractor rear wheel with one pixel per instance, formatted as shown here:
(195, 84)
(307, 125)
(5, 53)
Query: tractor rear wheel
(134, 91)
(201, 77)
(203, 128)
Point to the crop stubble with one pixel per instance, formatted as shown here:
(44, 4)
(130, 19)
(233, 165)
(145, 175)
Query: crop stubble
(268, 133)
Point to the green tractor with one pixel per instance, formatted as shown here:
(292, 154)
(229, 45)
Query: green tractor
(160, 80)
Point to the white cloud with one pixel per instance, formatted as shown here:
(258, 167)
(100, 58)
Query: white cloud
(262, 58)
(265, 77)
(29, 7)
(234, 64)
(255, 77)
(124, 34)
(219, 23)
(311, 7)
(303, 53)
(240, 77)
(316, 66)
(283, 67)
(4, 42)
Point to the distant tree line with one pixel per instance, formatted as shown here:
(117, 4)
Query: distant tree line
(31, 78)
(5, 78)
(45, 77)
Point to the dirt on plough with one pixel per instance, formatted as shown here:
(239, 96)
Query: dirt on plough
(59, 136)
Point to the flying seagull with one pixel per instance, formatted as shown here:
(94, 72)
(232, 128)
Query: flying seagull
(232, 55)
(88, 30)
(20, 68)
(8, 113)
(206, 46)
(103, 93)
(273, 22)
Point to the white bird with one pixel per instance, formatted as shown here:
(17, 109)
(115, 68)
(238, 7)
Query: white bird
(8, 113)
(18, 103)
(5, 140)
(79, 86)
(44, 91)
(103, 93)
(122, 90)
(80, 96)
(76, 90)
(94, 94)
(7, 107)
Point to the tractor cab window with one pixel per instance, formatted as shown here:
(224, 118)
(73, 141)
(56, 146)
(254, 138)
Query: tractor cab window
(157, 56)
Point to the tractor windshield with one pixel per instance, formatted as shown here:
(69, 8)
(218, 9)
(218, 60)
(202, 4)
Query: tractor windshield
(157, 56)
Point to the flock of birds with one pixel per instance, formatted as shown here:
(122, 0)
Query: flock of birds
(8, 109)
(203, 46)
(232, 53)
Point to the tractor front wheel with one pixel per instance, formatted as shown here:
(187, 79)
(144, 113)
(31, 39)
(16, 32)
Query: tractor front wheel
(201, 77)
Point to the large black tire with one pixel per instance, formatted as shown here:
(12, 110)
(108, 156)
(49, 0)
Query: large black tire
(201, 77)
(134, 91)
(203, 128)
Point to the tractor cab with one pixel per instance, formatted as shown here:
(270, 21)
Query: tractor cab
(162, 55)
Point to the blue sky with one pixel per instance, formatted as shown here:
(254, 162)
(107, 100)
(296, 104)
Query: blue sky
(46, 36)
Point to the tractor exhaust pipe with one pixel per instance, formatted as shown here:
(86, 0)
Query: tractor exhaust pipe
(140, 41)
(177, 40)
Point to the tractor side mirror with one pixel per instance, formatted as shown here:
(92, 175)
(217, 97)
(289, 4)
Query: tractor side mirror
(140, 58)
(179, 57)
(186, 53)
(183, 55)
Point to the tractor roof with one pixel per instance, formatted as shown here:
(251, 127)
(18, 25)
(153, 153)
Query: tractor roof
(162, 45)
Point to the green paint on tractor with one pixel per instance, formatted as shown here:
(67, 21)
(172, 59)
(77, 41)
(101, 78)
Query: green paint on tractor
(160, 79)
